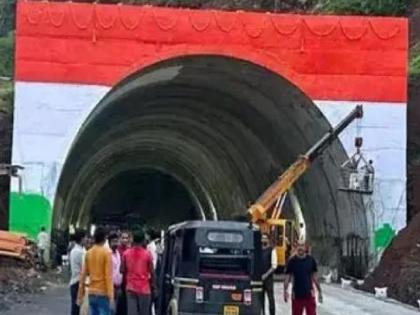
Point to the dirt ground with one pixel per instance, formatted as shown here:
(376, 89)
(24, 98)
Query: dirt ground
(18, 281)
(54, 301)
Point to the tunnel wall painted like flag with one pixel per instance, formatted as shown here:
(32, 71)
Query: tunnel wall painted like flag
(68, 56)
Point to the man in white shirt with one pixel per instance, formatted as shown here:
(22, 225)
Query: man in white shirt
(153, 237)
(76, 259)
(151, 247)
(42, 245)
(153, 250)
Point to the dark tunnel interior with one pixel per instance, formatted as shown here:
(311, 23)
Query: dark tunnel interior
(202, 137)
(146, 197)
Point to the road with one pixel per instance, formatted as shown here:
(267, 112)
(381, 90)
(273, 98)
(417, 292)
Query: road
(337, 302)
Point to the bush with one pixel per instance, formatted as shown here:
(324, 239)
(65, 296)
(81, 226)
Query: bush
(6, 55)
(6, 96)
(7, 16)
(415, 64)
(364, 7)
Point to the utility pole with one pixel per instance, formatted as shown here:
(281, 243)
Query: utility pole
(276, 5)
(12, 171)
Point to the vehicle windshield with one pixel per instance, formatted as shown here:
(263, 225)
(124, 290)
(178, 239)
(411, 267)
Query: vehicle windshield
(225, 262)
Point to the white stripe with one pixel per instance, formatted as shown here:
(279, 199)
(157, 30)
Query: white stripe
(49, 115)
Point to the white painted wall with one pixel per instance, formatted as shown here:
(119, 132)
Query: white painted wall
(48, 117)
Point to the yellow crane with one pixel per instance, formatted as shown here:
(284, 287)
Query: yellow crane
(266, 211)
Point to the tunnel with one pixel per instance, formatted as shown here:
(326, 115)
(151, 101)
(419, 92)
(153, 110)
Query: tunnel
(146, 196)
(200, 137)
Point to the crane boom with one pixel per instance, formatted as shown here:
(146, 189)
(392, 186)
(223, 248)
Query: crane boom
(258, 211)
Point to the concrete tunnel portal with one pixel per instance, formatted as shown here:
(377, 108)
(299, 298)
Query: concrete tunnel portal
(201, 137)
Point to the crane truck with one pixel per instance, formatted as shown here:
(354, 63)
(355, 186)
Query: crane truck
(266, 211)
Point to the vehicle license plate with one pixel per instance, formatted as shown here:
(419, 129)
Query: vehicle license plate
(231, 310)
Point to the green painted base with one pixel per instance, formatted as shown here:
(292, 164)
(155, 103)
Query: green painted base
(28, 213)
(384, 236)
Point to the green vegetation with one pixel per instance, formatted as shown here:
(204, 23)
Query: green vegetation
(6, 55)
(6, 97)
(6, 70)
(7, 19)
(415, 61)
(415, 65)
(364, 7)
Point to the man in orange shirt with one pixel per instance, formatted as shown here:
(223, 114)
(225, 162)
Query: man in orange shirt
(98, 267)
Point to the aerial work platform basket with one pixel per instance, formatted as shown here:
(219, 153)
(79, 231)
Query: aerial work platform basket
(357, 172)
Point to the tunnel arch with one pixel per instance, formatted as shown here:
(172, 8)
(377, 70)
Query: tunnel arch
(223, 127)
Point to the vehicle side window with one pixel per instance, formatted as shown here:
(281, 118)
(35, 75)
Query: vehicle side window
(176, 252)
(189, 248)
(165, 258)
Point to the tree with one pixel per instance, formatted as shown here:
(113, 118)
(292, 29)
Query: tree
(7, 16)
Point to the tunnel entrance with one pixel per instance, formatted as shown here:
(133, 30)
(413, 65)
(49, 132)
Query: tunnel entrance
(224, 128)
(143, 197)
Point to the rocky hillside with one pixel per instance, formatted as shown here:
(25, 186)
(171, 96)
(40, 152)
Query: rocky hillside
(413, 154)
(399, 269)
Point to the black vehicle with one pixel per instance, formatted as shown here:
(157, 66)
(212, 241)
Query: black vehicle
(211, 267)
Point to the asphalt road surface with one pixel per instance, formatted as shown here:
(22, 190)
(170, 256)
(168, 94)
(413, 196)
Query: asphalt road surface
(337, 301)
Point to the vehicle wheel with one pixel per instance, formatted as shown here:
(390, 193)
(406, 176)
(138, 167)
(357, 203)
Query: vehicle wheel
(173, 307)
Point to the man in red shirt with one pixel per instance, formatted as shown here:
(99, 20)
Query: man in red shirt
(137, 266)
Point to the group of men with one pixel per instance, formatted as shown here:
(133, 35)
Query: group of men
(114, 275)
(301, 270)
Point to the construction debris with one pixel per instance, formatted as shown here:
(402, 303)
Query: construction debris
(19, 280)
(399, 268)
(17, 268)
(16, 279)
(15, 245)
